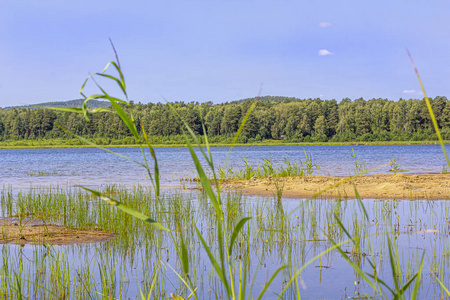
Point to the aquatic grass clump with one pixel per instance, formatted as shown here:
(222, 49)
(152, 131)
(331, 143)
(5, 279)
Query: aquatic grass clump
(268, 169)
(395, 167)
(360, 168)
(42, 173)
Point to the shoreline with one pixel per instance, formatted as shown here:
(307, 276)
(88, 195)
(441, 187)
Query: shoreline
(380, 186)
(262, 144)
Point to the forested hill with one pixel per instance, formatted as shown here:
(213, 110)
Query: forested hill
(275, 118)
(70, 103)
(270, 99)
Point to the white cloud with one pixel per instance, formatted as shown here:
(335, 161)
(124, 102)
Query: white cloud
(412, 92)
(324, 24)
(324, 52)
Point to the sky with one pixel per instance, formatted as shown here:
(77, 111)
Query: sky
(224, 50)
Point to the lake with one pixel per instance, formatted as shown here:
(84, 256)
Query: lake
(288, 233)
(22, 168)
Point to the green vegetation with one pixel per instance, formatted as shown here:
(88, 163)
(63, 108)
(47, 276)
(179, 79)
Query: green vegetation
(273, 120)
(267, 169)
(360, 168)
(297, 234)
(170, 142)
(175, 247)
(41, 173)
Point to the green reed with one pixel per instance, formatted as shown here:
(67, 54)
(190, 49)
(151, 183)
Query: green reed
(267, 169)
(360, 168)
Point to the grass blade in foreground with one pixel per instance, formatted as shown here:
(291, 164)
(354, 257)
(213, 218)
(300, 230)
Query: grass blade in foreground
(266, 286)
(236, 231)
(101, 147)
(430, 110)
(126, 209)
(220, 272)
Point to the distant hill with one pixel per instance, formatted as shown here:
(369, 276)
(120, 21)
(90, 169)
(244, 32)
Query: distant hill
(99, 103)
(275, 99)
(70, 103)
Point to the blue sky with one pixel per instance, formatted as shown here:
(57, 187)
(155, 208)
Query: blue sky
(217, 50)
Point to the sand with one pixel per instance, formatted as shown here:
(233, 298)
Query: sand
(381, 186)
(35, 233)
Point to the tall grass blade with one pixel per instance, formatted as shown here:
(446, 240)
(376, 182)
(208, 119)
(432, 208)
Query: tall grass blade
(238, 133)
(192, 134)
(299, 271)
(244, 121)
(119, 82)
(407, 284)
(85, 110)
(156, 183)
(393, 265)
(344, 229)
(152, 285)
(219, 271)
(416, 288)
(184, 281)
(355, 267)
(235, 233)
(243, 282)
(78, 109)
(184, 255)
(443, 286)
(100, 147)
(203, 178)
(430, 110)
(378, 280)
(126, 209)
(127, 120)
(361, 205)
(266, 286)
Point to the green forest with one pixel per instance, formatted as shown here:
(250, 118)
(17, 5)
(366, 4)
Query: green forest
(278, 119)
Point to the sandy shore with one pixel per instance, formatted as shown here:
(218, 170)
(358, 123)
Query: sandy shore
(34, 232)
(380, 186)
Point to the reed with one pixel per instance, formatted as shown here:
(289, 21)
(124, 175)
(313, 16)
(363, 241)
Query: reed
(268, 169)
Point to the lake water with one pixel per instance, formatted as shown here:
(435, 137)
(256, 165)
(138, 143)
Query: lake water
(94, 167)
(419, 225)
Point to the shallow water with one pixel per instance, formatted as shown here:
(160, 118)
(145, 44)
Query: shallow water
(22, 168)
(419, 225)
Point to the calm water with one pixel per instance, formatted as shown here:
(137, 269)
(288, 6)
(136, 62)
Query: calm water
(94, 167)
(422, 225)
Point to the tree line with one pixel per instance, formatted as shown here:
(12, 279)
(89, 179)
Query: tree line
(274, 118)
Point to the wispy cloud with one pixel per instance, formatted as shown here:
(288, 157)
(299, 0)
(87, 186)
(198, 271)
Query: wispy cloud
(324, 24)
(324, 52)
(412, 92)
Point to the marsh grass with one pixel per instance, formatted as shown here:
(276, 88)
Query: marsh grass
(268, 169)
(42, 173)
(283, 233)
(360, 168)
